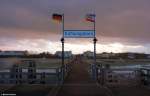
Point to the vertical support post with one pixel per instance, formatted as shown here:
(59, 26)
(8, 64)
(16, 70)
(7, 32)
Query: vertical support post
(95, 67)
(94, 41)
(62, 40)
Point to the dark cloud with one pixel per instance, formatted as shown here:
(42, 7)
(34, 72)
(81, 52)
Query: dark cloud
(125, 21)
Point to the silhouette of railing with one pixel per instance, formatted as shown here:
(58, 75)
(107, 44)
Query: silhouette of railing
(36, 76)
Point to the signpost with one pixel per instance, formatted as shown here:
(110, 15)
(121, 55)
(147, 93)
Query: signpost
(84, 34)
(79, 33)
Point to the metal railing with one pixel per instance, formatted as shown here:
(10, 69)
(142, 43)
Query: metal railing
(54, 77)
(118, 76)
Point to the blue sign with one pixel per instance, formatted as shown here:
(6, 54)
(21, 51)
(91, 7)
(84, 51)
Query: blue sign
(79, 34)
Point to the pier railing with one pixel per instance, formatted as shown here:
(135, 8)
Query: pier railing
(33, 75)
(118, 76)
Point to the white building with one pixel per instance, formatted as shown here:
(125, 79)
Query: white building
(106, 55)
(88, 54)
(13, 53)
(67, 54)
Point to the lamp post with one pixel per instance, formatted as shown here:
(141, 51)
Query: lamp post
(62, 56)
(95, 67)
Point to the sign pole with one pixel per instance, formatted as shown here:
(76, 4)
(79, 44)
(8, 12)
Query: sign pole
(95, 66)
(62, 40)
(94, 41)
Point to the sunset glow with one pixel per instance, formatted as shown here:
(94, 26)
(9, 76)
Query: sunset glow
(41, 45)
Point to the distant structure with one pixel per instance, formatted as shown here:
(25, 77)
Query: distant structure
(13, 53)
(88, 54)
(111, 55)
(106, 55)
(67, 54)
(131, 56)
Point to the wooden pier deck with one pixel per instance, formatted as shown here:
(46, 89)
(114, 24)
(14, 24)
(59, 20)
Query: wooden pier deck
(79, 83)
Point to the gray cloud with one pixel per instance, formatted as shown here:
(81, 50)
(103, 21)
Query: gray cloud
(125, 21)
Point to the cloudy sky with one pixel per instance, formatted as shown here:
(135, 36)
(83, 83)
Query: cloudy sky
(121, 25)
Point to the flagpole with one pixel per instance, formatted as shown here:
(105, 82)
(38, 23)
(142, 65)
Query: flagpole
(94, 25)
(94, 41)
(62, 40)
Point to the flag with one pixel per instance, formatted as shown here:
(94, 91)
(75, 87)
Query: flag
(57, 17)
(90, 17)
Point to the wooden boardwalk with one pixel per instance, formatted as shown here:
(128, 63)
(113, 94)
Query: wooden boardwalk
(79, 82)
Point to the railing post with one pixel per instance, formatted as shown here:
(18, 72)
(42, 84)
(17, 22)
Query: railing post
(62, 74)
(102, 76)
(57, 75)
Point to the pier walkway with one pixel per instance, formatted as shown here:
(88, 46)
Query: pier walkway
(79, 82)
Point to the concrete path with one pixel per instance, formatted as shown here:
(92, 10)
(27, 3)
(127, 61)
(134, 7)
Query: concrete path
(79, 83)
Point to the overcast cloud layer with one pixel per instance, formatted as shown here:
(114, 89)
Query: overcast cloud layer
(124, 22)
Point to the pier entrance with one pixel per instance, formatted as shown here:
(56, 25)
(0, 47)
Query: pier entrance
(79, 82)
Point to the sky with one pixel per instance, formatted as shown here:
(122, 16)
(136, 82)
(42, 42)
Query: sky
(121, 25)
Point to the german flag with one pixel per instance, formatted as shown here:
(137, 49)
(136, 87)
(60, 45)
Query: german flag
(57, 17)
(90, 17)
